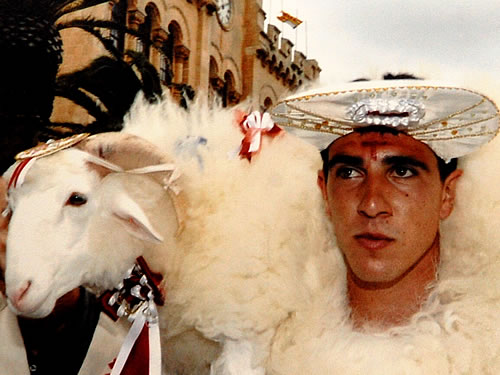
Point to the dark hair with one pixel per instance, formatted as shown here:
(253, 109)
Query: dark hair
(391, 76)
(445, 169)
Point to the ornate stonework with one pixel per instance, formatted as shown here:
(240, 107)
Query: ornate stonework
(227, 64)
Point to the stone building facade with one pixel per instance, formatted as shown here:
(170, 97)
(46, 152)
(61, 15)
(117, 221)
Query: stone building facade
(218, 48)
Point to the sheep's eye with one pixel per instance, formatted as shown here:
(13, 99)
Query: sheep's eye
(76, 199)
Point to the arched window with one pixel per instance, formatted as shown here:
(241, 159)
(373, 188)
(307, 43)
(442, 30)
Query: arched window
(177, 53)
(145, 30)
(213, 68)
(215, 84)
(230, 96)
(166, 73)
(268, 102)
(119, 16)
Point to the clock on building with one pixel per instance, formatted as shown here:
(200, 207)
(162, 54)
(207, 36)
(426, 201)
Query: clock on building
(224, 13)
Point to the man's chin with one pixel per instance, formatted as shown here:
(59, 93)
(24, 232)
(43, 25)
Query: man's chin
(373, 278)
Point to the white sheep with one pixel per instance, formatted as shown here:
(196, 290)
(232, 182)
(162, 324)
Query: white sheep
(240, 246)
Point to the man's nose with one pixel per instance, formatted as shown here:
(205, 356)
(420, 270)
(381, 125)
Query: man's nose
(374, 199)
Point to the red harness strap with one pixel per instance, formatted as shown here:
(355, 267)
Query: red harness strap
(17, 172)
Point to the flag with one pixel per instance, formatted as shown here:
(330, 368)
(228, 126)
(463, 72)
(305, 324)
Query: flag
(289, 19)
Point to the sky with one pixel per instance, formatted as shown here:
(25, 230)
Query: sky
(365, 38)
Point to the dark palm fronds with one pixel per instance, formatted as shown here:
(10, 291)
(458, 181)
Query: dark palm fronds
(70, 6)
(106, 89)
(109, 85)
(150, 80)
(31, 54)
(54, 9)
(95, 27)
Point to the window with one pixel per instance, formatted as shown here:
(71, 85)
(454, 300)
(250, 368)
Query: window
(119, 16)
(165, 70)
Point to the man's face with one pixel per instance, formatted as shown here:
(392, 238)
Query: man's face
(385, 198)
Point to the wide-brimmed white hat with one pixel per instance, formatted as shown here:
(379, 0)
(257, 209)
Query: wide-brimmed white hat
(452, 121)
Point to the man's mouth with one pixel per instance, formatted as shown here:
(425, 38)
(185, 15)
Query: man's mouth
(373, 241)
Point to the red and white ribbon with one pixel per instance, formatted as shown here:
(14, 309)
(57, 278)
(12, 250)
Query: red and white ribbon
(140, 353)
(19, 174)
(136, 298)
(254, 126)
(17, 179)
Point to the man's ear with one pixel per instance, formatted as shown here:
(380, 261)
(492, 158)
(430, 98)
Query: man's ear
(321, 181)
(449, 193)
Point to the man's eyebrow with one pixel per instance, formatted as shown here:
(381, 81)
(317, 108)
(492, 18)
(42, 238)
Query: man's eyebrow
(405, 160)
(354, 161)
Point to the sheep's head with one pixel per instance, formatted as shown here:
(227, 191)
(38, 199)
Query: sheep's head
(76, 221)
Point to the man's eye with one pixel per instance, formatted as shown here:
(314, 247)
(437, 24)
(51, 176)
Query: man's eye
(403, 172)
(347, 172)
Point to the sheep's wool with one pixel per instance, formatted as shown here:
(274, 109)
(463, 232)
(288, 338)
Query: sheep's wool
(256, 265)
(254, 247)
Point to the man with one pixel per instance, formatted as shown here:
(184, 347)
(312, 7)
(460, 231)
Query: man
(388, 181)
(385, 197)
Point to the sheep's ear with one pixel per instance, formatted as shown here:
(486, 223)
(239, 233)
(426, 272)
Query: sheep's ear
(131, 215)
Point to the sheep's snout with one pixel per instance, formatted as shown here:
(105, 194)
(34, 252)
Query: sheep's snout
(16, 298)
(25, 299)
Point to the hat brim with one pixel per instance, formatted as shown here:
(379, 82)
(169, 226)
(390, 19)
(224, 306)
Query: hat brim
(453, 121)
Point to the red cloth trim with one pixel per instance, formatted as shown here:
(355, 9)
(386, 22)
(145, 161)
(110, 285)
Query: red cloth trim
(138, 359)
